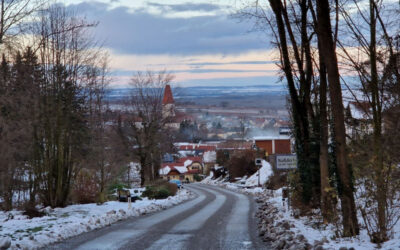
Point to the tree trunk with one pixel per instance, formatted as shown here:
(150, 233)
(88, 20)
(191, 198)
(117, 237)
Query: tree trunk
(377, 121)
(299, 102)
(326, 189)
(324, 30)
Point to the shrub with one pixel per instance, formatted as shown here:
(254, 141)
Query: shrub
(32, 211)
(160, 189)
(117, 186)
(162, 193)
(241, 163)
(85, 189)
(197, 177)
(149, 192)
(172, 188)
(277, 180)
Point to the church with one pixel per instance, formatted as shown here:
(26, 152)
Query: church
(170, 113)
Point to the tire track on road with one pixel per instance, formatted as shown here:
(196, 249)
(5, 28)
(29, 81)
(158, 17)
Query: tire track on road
(180, 231)
(120, 233)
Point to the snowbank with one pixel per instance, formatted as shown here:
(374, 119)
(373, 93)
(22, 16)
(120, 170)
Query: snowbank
(62, 223)
(187, 163)
(265, 173)
(232, 186)
(289, 229)
(318, 234)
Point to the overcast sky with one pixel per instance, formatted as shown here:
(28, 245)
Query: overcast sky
(198, 41)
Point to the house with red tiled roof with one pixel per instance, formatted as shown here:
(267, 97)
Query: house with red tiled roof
(193, 163)
(183, 169)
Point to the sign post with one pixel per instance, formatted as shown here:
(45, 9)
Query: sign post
(258, 163)
(285, 163)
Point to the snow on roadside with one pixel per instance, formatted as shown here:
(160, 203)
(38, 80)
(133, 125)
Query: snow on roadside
(317, 235)
(232, 186)
(62, 223)
(250, 184)
(286, 232)
(265, 173)
(326, 236)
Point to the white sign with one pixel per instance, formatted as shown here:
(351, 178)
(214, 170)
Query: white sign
(286, 162)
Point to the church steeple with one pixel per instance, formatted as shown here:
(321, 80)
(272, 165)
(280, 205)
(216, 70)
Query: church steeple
(168, 98)
(168, 102)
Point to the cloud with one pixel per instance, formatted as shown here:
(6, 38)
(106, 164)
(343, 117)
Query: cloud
(186, 7)
(140, 32)
(238, 62)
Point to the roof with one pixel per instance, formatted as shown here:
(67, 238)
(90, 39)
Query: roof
(164, 171)
(166, 168)
(181, 166)
(272, 137)
(172, 164)
(197, 147)
(194, 171)
(168, 98)
(235, 144)
(190, 158)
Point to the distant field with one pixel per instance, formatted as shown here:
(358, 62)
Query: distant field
(246, 96)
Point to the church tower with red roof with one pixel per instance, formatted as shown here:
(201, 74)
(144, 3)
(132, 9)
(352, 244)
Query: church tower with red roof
(168, 102)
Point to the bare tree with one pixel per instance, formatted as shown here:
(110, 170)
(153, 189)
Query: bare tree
(14, 15)
(303, 59)
(373, 27)
(147, 125)
(64, 55)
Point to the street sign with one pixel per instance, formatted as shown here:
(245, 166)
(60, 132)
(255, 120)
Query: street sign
(285, 162)
(258, 162)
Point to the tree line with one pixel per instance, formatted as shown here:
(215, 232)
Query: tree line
(51, 100)
(327, 47)
(60, 141)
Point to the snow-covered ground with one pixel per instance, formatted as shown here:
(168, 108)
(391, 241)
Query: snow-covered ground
(62, 223)
(265, 172)
(245, 185)
(315, 233)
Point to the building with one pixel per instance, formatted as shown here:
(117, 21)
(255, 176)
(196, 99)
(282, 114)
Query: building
(274, 144)
(169, 111)
(184, 169)
(358, 119)
(168, 102)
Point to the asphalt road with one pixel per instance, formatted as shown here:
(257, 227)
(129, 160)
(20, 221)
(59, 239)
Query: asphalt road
(215, 219)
